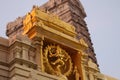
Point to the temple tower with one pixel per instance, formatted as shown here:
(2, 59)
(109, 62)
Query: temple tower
(51, 42)
(46, 27)
(72, 11)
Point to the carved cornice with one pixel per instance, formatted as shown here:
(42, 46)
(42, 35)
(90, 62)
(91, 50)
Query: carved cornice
(23, 61)
(20, 44)
(38, 23)
(36, 16)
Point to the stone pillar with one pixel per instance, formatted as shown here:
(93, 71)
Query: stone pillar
(84, 73)
(38, 43)
(25, 53)
(84, 59)
(31, 55)
(91, 76)
(17, 52)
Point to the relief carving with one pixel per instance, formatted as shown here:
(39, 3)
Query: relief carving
(57, 61)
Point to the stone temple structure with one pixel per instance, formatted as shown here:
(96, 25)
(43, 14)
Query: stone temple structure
(51, 42)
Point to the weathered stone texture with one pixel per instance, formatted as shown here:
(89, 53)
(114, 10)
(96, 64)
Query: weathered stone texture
(72, 11)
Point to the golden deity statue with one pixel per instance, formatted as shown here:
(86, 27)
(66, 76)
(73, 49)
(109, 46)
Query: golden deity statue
(57, 61)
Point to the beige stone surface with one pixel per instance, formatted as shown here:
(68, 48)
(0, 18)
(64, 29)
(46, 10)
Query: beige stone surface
(4, 41)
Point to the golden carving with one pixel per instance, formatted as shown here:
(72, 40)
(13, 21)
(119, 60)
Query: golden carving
(83, 42)
(27, 23)
(77, 75)
(57, 61)
(40, 18)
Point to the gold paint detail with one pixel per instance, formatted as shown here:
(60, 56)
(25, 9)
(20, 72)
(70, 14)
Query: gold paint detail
(57, 61)
(83, 42)
(76, 72)
(40, 18)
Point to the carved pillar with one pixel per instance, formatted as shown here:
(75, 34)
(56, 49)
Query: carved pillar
(38, 43)
(91, 76)
(31, 55)
(24, 53)
(84, 59)
(77, 74)
(17, 52)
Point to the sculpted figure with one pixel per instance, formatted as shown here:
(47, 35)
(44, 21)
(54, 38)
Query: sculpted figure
(57, 61)
(77, 75)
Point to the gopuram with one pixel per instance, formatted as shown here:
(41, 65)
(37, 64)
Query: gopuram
(51, 42)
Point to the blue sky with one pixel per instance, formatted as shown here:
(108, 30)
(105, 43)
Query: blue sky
(103, 20)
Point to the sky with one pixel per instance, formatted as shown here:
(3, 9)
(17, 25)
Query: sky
(103, 21)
